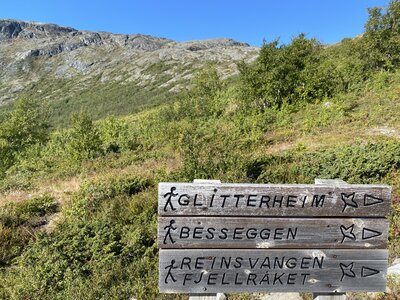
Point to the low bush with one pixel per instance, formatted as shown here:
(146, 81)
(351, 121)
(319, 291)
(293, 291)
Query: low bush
(19, 213)
(109, 253)
(110, 187)
(18, 223)
(355, 163)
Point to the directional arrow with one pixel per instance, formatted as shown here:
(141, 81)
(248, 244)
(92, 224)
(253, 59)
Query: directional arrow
(366, 272)
(369, 233)
(371, 200)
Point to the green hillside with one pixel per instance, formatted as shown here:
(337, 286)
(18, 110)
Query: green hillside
(102, 73)
(66, 96)
(78, 212)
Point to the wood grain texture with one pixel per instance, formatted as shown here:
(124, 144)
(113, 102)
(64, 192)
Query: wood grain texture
(229, 232)
(320, 200)
(329, 296)
(256, 270)
(205, 297)
(333, 182)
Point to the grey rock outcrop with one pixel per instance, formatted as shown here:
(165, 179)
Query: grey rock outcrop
(13, 29)
(59, 39)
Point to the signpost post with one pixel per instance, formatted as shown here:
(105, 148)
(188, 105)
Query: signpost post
(330, 237)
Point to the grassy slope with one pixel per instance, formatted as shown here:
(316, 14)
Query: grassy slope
(101, 248)
(119, 96)
(352, 119)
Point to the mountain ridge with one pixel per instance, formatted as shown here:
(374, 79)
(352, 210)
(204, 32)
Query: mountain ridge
(14, 29)
(34, 56)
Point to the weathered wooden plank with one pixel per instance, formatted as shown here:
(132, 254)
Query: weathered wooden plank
(256, 270)
(329, 296)
(319, 200)
(338, 182)
(259, 232)
(218, 296)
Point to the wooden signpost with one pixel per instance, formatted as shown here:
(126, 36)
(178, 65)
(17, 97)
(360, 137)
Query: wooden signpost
(330, 237)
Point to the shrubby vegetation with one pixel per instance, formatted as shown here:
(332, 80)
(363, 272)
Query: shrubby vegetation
(286, 74)
(382, 35)
(356, 163)
(99, 241)
(306, 71)
(25, 126)
(301, 111)
(18, 222)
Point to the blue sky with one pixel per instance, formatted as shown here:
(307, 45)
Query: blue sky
(247, 20)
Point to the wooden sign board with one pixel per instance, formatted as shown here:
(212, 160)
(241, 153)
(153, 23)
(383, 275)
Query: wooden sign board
(216, 271)
(272, 238)
(273, 200)
(228, 232)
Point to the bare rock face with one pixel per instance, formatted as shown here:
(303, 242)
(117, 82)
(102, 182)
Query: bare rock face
(62, 39)
(212, 43)
(59, 39)
(11, 29)
(31, 51)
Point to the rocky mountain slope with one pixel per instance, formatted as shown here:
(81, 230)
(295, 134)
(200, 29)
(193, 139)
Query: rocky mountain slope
(64, 65)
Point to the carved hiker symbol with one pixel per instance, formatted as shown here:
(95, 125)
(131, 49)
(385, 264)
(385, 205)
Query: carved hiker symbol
(168, 234)
(169, 198)
(169, 274)
(347, 270)
(347, 232)
(348, 200)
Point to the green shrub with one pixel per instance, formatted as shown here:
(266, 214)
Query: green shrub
(225, 154)
(18, 222)
(84, 139)
(113, 186)
(381, 37)
(26, 125)
(115, 137)
(111, 254)
(18, 213)
(203, 98)
(289, 73)
(354, 163)
(13, 240)
(93, 194)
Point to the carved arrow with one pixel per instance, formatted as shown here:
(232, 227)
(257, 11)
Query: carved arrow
(366, 272)
(347, 233)
(369, 233)
(371, 200)
(347, 270)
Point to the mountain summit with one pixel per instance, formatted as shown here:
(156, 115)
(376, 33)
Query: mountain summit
(13, 29)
